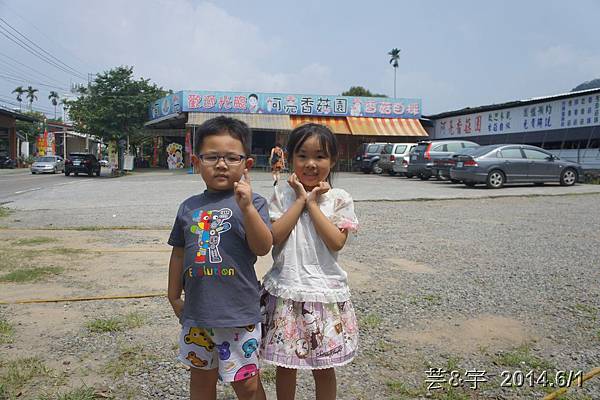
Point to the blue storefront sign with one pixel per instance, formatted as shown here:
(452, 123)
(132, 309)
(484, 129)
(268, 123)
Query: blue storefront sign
(286, 104)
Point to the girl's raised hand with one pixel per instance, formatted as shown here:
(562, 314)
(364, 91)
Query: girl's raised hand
(317, 192)
(243, 192)
(297, 186)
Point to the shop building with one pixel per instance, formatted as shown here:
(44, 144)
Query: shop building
(11, 141)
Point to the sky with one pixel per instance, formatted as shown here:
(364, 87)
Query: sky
(453, 54)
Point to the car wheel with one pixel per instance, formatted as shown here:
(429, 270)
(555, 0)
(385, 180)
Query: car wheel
(495, 179)
(470, 184)
(409, 176)
(90, 173)
(391, 173)
(376, 168)
(424, 177)
(76, 173)
(98, 172)
(455, 180)
(54, 170)
(32, 173)
(366, 171)
(538, 183)
(67, 173)
(568, 177)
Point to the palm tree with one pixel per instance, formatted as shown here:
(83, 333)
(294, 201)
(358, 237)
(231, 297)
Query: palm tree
(53, 97)
(19, 91)
(395, 54)
(31, 96)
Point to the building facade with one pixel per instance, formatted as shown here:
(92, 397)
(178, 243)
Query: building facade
(272, 116)
(567, 125)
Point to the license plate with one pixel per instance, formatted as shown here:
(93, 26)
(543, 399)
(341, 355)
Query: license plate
(459, 164)
(76, 162)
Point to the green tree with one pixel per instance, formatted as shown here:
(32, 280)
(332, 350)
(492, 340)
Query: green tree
(360, 91)
(19, 91)
(53, 97)
(31, 129)
(395, 57)
(31, 96)
(593, 84)
(114, 105)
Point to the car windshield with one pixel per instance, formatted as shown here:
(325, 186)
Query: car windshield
(46, 159)
(477, 151)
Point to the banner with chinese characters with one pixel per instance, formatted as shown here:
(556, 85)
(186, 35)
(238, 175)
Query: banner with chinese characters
(286, 104)
(575, 112)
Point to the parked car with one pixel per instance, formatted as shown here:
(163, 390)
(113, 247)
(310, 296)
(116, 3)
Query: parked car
(496, 165)
(393, 153)
(401, 165)
(7, 162)
(84, 163)
(104, 162)
(52, 164)
(369, 157)
(426, 152)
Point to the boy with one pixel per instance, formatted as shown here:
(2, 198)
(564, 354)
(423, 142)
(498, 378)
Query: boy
(216, 238)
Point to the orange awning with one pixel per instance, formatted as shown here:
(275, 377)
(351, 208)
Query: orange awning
(336, 124)
(386, 126)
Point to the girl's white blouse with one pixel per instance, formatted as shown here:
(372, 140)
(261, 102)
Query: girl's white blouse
(304, 269)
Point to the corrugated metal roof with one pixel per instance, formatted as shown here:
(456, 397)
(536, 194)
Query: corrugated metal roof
(254, 121)
(516, 103)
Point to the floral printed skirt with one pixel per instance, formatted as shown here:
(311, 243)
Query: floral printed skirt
(307, 335)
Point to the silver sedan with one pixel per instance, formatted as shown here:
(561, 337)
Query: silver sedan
(496, 165)
(51, 164)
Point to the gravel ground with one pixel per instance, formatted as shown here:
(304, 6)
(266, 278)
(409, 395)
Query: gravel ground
(480, 284)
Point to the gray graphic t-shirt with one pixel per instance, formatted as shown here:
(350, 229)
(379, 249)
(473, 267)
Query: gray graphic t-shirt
(220, 284)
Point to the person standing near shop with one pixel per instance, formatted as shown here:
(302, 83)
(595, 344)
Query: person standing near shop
(277, 162)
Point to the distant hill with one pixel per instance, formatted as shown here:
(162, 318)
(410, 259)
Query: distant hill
(593, 84)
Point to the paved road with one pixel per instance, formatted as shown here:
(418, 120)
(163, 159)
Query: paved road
(150, 198)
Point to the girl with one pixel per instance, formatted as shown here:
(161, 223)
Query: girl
(276, 159)
(309, 319)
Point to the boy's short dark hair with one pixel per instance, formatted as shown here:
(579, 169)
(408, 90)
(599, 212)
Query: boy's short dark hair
(219, 125)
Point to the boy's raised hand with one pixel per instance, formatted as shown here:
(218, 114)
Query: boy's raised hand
(243, 191)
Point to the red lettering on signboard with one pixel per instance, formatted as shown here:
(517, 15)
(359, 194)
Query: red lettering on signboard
(239, 102)
(370, 107)
(210, 101)
(398, 108)
(225, 102)
(478, 123)
(468, 128)
(413, 108)
(385, 108)
(194, 101)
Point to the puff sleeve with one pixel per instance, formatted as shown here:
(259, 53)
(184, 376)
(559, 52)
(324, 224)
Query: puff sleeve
(343, 211)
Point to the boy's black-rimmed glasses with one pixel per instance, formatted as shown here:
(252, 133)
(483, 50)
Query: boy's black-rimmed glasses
(229, 159)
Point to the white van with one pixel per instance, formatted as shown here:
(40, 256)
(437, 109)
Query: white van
(392, 154)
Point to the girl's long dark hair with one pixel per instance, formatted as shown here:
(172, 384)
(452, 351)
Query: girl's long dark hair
(326, 138)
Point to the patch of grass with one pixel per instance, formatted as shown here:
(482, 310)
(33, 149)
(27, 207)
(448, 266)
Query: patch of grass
(81, 393)
(521, 356)
(383, 345)
(268, 374)
(64, 251)
(6, 332)
(587, 309)
(4, 212)
(399, 388)
(17, 373)
(33, 241)
(129, 360)
(370, 321)
(30, 274)
(452, 363)
(434, 299)
(451, 394)
(116, 324)
(598, 334)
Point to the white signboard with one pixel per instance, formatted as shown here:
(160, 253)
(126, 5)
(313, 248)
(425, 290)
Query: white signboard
(575, 112)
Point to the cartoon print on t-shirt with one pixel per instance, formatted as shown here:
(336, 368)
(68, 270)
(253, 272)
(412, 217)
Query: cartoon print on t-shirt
(209, 227)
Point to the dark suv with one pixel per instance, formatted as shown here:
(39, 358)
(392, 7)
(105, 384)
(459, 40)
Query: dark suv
(369, 157)
(425, 155)
(84, 163)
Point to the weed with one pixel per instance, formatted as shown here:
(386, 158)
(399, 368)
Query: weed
(33, 241)
(6, 332)
(4, 212)
(116, 324)
(452, 363)
(522, 356)
(268, 374)
(433, 299)
(370, 321)
(30, 274)
(400, 388)
(130, 359)
(81, 393)
(17, 373)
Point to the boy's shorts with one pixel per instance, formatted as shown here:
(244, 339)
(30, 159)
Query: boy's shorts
(234, 351)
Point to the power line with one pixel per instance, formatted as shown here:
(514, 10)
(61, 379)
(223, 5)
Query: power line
(28, 48)
(34, 108)
(28, 82)
(34, 44)
(44, 34)
(27, 66)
